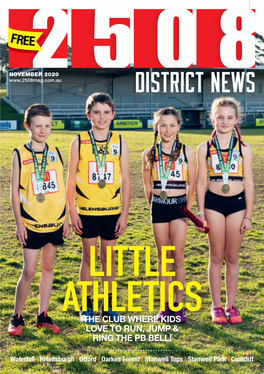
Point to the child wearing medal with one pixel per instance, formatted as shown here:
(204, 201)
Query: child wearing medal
(227, 204)
(98, 174)
(169, 182)
(39, 206)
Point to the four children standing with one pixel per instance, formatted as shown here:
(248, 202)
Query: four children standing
(99, 175)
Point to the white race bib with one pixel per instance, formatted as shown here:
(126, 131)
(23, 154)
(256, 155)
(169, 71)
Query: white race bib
(176, 173)
(216, 165)
(49, 185)
(94, 176)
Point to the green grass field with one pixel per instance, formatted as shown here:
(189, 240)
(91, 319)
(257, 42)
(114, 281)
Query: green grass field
(198, 338)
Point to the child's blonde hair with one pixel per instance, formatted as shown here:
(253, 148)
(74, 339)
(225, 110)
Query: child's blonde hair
(227, 101)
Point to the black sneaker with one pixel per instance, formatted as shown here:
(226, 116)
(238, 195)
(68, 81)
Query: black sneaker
(44, 321)
(15, 325)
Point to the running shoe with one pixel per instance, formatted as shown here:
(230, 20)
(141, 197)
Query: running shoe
(44, 321)
(164, 316)
(233, 315)
(15, 325)
(112, 316)
(218, 315)
(87, 316)
(181, 314)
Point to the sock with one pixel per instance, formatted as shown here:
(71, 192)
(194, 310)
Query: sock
(89, 301)
(109, 299)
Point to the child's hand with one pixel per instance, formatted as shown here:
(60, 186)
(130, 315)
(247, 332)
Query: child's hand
(121, 225)
(202, 219)
(66, 228)
(246, 225)
(21, 234)
(76, 222)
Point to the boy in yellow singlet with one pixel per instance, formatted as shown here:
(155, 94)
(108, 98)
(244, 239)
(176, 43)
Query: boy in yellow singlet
(39, 206)
(98, 173)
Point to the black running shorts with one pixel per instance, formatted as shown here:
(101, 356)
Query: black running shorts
(103, 226)
(37, 240)
(167, 210)
(225, 204)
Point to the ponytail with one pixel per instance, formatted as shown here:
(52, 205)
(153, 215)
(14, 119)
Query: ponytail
(239, 135)
(212, 138)
(176, 153)
(151, 155)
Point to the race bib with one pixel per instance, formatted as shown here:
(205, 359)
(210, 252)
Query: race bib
(49, 185)
(234, 162)
(176, 173)
(94, 176)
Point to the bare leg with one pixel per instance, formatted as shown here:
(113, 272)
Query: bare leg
(178, 234)
(85, 271)
(24, 282)
(46, 281)
(103, 257)
(161, 232)
(232, 247)
(216, 222)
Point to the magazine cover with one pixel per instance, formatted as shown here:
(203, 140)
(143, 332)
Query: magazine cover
(132, 187)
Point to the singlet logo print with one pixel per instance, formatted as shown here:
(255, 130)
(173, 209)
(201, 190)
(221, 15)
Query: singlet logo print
(101, 150)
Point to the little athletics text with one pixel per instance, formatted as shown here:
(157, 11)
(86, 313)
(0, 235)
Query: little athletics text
(165, 260)
(71, 294)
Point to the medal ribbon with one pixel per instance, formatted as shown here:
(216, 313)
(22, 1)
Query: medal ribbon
(39, 176)
(164, 176)
(100, 165)
(225, 168)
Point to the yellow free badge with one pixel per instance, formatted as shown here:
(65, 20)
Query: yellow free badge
(26, 40)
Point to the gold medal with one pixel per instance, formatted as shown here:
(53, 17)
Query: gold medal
(40, 197)
(163, 195)
(101, 183)
(225, 188)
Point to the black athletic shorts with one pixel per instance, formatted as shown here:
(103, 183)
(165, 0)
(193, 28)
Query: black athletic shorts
(37, 240)
(167, 210)
(103, 226)
(225, 204)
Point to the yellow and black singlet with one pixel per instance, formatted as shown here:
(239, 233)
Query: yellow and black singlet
(178, 174)
(49, 215)
(236, 166)
(92, 200)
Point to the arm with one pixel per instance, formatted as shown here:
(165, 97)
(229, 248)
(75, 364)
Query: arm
(121, 223)
(21, 231)
(66, 228)
(201, 181)
(71, 182)
(191, 176)
(147, 180)
(248, 187)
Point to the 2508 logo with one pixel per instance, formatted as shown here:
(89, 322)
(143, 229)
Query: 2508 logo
(117, 38)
